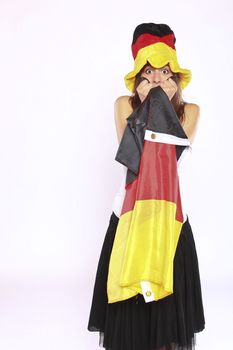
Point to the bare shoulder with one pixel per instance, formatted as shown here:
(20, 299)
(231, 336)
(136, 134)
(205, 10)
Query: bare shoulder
(192, 110)
(122, 109)
(123, 105)
(190, 123)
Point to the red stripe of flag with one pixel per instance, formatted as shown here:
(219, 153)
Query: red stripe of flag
(157, 178)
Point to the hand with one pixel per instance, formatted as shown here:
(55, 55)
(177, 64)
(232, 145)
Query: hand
(143, 89)
(170, 87)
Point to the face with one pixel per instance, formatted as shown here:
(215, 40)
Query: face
(156, 75)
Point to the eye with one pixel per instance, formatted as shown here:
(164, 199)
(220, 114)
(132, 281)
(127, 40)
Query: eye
(147, 69)
(165, 69)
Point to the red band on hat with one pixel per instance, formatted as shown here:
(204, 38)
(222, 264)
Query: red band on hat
(148, 39)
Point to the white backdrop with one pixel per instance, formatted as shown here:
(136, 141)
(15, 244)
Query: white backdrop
(62, 65)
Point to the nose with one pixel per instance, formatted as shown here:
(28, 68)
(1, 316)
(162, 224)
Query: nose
(156, 76)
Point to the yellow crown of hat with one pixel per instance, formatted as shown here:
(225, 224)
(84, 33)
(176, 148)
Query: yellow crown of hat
(155, 43)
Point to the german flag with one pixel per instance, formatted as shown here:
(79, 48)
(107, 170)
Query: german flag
(151, 219)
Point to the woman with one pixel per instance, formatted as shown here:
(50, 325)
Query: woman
(188, 113)
(145, 316)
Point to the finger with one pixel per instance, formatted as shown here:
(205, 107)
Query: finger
(167, 82)
(171, 81)
(144, 81)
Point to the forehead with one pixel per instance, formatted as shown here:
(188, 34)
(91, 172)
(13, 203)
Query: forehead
(149, 65)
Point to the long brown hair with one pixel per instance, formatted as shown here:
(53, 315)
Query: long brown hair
(177, 100)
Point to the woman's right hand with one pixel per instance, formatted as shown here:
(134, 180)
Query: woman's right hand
(143, 89)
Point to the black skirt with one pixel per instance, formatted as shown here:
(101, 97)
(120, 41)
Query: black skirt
(169, 323)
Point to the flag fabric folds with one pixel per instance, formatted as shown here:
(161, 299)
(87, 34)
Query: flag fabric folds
(152, 147)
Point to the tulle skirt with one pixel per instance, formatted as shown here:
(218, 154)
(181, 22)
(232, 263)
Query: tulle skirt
(170, 323)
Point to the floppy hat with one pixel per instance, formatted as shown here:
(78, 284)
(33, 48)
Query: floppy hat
(155, 43)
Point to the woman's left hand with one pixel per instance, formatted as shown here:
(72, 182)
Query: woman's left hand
(170, 87)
